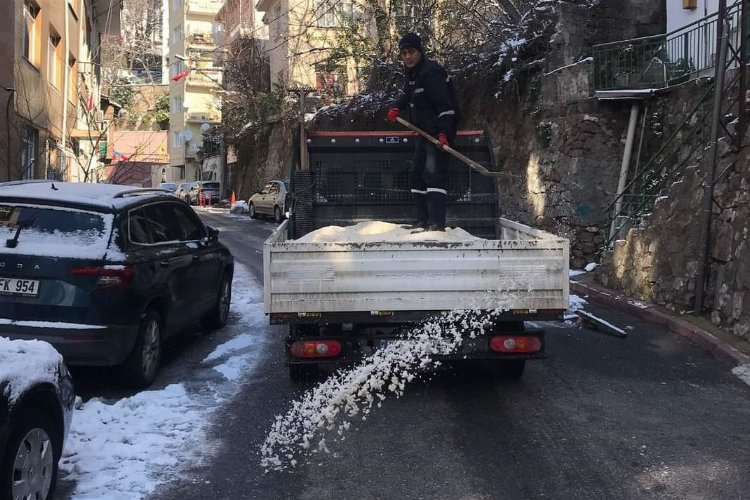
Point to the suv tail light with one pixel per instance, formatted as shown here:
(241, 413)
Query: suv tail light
(315, 348)
(515, 343)
(106, 276)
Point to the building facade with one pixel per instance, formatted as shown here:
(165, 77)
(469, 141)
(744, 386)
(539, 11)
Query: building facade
(54, 123)
(195, 81)
(300, 35)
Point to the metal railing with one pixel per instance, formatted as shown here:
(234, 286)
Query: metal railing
(660, 61)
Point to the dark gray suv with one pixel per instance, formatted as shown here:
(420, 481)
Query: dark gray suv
(105, 273)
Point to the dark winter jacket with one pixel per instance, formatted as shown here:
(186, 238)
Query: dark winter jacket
(430, 99)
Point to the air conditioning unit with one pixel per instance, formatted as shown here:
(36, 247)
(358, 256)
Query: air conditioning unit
(99, 116)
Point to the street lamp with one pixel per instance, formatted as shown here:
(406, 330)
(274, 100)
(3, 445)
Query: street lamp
(11, 92)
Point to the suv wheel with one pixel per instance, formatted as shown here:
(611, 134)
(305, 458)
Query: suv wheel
(251, 210)
(28, 467)
(143, 363)
(277, 215)
(217, 316)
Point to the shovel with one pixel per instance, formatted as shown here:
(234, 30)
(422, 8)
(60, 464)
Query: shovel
(476, 166)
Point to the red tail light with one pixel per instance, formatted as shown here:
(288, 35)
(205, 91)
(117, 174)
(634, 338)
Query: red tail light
(515, 344)
(315, 348)
(106, 276)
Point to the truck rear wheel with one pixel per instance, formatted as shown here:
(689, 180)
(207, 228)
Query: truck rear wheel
(507, 368)
(303, 373)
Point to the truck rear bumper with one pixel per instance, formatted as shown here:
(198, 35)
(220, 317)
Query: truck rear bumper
(354, 348)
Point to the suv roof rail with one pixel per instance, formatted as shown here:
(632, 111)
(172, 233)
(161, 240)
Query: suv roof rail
(139, 191)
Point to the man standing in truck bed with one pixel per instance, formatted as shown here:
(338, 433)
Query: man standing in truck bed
(429, 96)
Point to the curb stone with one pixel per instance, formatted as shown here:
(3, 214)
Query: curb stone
(655, 314)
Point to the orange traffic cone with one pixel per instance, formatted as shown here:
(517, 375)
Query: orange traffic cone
(233, 198)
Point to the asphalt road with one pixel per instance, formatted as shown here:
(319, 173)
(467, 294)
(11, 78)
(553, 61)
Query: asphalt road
(650, 416)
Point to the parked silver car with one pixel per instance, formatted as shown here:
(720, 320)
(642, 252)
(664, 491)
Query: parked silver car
(272, 200)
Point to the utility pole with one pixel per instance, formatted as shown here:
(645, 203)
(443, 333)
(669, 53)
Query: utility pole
(302, 92)
(722, 41)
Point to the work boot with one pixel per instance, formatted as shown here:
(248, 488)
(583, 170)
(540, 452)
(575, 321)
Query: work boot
(420, 224)
(436, 204)
(420, 210)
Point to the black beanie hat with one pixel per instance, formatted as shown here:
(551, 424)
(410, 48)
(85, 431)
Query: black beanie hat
(410, 40)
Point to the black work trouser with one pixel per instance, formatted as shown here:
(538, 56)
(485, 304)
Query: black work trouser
(429, 182)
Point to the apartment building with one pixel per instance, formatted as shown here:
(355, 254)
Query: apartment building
(145, 36)
(241, 19)
(300, 36)
(195, 81)
(53, 122)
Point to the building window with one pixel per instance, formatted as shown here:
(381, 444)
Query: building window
(333, 13)
(54, 70)
(277, 21)
(29, 137)
(177, 139)
(175, 69)
(177, 104)
(330, 81)
(31, 33)
(176, 34)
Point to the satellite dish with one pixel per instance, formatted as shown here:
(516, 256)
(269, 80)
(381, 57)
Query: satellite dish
(205, 127)
(187, 135)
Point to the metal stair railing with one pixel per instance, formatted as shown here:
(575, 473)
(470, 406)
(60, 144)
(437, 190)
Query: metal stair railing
(647, 184)
(660, 61)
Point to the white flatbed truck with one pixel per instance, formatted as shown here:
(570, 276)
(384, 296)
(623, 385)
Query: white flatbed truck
(342, 300)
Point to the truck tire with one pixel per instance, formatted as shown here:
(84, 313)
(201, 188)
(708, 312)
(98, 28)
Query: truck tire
(510, 368)
(303, 373)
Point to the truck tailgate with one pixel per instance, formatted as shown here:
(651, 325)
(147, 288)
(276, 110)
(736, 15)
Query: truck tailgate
(526, 269)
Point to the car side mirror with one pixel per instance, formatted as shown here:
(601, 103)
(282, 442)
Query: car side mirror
(213, 233)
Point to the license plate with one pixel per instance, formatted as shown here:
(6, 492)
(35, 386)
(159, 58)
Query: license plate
(15, 286)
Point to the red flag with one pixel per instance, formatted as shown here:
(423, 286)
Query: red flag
(180, 76)
(91, 102)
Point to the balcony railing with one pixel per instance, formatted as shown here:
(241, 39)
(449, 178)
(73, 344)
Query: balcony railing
(200, 39)
(660, 61)
(202, 117)
(205, 78)
(209, 7)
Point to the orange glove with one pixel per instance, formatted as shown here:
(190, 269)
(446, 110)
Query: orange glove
(393, 113)
(443, 139)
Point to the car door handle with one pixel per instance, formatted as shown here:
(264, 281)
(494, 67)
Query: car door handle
(196, 257)
(164, 263)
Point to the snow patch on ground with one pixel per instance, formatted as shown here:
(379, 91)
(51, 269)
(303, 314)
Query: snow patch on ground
(124, 449)
(114, 450)
(743, 372)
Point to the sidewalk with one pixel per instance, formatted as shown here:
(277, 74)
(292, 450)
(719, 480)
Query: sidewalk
(723, 345)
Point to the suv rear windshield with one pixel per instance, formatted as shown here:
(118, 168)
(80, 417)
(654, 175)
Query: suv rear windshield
(46, 229)
(210, 185)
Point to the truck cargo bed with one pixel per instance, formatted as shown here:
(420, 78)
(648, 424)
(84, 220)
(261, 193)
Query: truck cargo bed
(524, 271)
